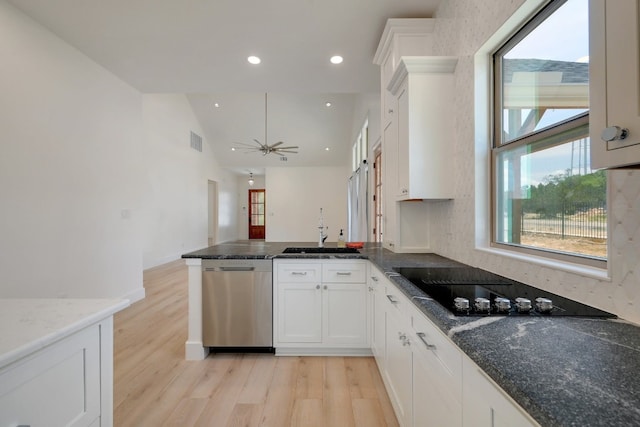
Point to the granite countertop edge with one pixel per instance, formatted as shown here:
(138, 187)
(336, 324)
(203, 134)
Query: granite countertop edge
(511, 370)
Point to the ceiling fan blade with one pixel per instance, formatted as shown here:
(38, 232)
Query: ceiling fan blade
(285, 151)
(276, 144)
(263, 146)
(252, 146)
(288, 148)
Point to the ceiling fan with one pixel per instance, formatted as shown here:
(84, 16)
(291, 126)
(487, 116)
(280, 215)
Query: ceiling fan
(265, 148)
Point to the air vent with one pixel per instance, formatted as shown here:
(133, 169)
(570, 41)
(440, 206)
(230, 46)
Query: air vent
(283, 159)
(196, 142)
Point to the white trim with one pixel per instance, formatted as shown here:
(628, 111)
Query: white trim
(580, 269)
(316, 351)
(483, 111)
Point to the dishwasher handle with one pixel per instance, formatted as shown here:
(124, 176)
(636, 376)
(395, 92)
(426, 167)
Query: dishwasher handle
(248, 268)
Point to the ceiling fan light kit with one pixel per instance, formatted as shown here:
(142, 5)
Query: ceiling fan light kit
(266, 148)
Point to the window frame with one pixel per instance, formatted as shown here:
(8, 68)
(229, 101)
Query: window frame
(498, 145)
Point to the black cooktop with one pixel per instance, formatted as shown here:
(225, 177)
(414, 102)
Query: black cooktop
(488, 294)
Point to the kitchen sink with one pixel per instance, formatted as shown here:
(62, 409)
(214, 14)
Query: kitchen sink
(317, 250)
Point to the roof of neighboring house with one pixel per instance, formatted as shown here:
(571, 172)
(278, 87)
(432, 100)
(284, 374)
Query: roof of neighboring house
(572, 72)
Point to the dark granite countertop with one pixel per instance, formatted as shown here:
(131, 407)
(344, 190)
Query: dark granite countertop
(563, 371)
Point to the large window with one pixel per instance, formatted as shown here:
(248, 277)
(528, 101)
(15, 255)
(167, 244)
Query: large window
(547, 199)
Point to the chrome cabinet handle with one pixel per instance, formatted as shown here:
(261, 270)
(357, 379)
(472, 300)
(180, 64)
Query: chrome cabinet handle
(317, 286)
(614, 133)
(343, 273)
(298, 273)
(422, 336)
(374, 278)
(325, 287)
(392, 299)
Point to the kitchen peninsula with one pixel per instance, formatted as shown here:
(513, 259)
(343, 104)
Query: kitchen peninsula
(56, 361)
(560, 370)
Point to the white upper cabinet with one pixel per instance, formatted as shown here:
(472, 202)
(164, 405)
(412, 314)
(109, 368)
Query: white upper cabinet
(614, 83)
(423, 86)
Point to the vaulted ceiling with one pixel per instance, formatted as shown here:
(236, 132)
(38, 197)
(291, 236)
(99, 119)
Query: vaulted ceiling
(200, 48)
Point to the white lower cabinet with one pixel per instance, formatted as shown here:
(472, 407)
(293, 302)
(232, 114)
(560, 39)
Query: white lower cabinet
(60, 385)
(437, 375)
(485, 404)
(424, 371)
(377, 315)
(398, 369)
(321, 307)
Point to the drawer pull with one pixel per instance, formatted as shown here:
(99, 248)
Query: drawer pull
(298, 273)
(392, 299)
(343, 273)
(422, 336)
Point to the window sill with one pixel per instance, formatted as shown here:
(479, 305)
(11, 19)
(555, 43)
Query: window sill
(582, 270)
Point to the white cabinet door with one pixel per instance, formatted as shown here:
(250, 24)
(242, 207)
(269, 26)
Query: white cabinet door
(57, 386)
(423, 87)
(486, 405)
(378, 331)
(299, 313)
(398, 369)
(403, 180)
(437, 376)
(344, 314)
(614, 81)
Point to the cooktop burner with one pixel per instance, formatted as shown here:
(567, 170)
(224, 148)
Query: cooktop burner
(469, 291)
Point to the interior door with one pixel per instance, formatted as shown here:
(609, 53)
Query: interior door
(257, 214)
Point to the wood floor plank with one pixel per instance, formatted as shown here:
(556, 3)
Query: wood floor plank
(186, 413)
(337, 407)
(368, 413)
(245, 415)
(361, 385)
(280, 399)
(155, 386)
(220, 407)
(257, 386)
(310, 378)
(308, 413)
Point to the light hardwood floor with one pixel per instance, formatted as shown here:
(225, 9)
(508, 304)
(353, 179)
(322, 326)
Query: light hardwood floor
(155, 386)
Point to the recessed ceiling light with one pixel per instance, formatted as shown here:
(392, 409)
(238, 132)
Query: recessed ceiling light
(326, 149)
(215, 104)
(337, 59)
(233, 148)
(327, 104)
(253, 60)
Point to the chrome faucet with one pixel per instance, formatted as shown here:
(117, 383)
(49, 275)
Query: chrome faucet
(322, 228)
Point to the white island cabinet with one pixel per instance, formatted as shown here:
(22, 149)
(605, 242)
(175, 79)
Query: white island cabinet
(320, 307)
(56, 361)
(614, 83)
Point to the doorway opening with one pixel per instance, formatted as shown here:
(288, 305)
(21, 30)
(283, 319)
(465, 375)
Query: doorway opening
(257, 214)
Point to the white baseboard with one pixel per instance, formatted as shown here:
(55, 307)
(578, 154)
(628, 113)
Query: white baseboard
(297, 351)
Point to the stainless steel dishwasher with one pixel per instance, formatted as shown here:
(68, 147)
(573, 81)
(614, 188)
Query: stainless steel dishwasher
(237, 304)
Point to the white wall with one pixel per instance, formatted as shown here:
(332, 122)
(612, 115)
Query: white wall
(462, 27)
(70, 170)
(295, 196)
(175, 201)
(97, 181)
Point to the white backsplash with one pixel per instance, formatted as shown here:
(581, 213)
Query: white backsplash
(462, 27)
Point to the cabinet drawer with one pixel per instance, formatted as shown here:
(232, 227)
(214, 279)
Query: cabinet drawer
(57, 386)
(298, 273)
(344, 272)
(430, 338)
